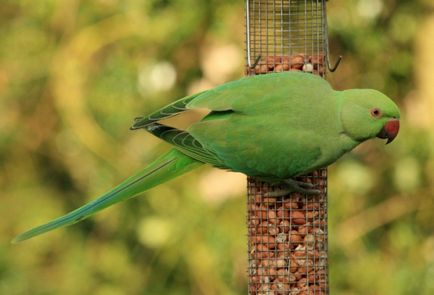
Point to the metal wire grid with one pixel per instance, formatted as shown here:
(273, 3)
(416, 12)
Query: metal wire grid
(287, 236)
(284, 35)
(287, 240)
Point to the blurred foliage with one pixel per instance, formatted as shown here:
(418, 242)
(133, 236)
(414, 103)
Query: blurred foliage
(74, 73)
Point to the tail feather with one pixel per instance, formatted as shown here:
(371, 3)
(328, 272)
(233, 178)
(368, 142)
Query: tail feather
(166, 167)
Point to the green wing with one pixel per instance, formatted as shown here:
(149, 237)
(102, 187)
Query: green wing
(268, 125)
(241, 111)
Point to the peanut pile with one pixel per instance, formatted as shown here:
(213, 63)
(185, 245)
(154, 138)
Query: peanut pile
(299, 62)
(287, 240)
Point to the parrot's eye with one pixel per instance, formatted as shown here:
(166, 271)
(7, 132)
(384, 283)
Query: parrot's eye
(376, 112)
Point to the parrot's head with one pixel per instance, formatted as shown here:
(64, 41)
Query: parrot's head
(367, 113)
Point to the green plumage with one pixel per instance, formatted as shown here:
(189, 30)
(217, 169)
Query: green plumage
(274, 127)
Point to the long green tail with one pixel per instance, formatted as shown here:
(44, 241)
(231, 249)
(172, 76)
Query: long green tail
(164, 168)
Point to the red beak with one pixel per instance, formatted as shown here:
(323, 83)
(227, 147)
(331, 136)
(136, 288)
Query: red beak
(389, 130)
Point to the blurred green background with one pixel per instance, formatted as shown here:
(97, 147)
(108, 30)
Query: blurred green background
(74, 73)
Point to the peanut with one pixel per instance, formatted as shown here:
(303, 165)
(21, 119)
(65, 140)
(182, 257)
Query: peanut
(298, 217)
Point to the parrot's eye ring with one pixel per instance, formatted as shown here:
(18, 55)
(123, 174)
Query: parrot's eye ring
(376, 113)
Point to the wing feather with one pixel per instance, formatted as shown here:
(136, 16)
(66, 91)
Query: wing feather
(168, 111)
(185, 142)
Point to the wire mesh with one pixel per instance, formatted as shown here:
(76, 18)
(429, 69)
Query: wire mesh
(285, 35)
(287, 236)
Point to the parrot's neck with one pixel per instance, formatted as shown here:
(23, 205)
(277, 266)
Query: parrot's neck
(347, 138)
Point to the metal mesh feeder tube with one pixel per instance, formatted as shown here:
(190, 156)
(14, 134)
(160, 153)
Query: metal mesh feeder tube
(287, 236)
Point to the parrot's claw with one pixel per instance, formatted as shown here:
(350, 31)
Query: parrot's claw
(302, 187)
(294, 186)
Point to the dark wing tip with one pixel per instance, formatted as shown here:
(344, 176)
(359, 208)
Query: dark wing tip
(139, 122)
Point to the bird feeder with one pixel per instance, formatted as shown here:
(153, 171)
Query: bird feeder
(287, 236)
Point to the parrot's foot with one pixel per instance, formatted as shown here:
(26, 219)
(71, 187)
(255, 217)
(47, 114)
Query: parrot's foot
(302, 187)
(294, 186)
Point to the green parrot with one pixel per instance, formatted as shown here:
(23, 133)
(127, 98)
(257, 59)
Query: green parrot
(273, 127)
